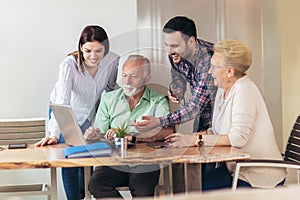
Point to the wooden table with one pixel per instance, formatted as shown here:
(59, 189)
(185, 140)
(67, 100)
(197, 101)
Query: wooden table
(51, 157)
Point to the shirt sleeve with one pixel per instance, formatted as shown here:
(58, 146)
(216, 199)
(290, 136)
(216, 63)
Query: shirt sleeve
(102, 119)
(112, 81)
(243, 115)
(178, 84)
(162, 107)
(195, 105)
(61, 94)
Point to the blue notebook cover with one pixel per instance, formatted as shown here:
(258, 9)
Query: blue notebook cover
(90, 150)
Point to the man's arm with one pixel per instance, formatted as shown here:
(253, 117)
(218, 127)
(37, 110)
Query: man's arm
(178, 84)
(196, 104)
(157, 134)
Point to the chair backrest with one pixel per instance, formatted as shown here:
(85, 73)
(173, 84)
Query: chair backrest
(26, 130)
(164, 90)
(292, 152)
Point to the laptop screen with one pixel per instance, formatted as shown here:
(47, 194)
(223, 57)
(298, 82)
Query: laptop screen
(68, 124)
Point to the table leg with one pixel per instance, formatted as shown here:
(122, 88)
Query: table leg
(200, 177)
(87, 175)
(53, 183)
(186, 178)
(186, 186)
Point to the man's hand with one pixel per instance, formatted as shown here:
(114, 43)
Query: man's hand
(149, 122)
(46, 141)
(172, 97)
(181, 140)
(110, 133)
(92, 133)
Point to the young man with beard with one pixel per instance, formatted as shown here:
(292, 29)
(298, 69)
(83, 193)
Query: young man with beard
(190, 60)
(126, 105)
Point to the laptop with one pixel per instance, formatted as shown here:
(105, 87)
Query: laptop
(68, 125)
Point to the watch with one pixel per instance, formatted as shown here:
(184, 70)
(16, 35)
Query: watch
(133, 140)
(200, 140)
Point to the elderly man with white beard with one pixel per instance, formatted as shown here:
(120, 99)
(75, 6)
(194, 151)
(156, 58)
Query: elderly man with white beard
(124, 106)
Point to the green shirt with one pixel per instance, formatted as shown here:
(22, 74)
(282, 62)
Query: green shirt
(114, 110)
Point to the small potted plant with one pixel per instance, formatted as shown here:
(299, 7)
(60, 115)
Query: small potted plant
(120, 138)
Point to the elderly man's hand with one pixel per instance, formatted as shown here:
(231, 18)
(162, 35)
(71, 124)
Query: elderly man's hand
(181, 140)
(92, 133)
(110, 133)
(149, 122)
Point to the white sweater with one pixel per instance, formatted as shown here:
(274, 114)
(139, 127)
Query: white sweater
(244, 117)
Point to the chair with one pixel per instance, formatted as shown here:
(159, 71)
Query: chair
(164, 90)
(291, 157)
(27, 130)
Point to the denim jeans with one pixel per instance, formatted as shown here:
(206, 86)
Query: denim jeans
(73, 177)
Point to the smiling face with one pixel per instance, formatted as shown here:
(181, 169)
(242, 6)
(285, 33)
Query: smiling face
(93, 52)
(177, 47)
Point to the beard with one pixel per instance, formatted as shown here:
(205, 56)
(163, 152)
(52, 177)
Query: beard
(130, 90)
(187, 54)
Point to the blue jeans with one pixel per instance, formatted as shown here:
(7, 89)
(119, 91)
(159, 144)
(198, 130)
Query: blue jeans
(73, 177)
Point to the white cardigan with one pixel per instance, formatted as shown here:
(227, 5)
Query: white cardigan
(244, 117)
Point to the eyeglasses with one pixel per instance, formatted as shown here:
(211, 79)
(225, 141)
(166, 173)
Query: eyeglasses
(212, 67)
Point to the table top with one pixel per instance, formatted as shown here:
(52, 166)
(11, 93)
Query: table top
(51, 156)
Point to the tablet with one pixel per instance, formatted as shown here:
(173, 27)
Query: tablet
(17, 146)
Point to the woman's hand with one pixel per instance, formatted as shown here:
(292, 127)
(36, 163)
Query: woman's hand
(181, 140)
(46, 141)
(92, 133)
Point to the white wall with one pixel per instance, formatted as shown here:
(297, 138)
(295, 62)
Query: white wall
(35, 36)
(272, 70)
(288, 17)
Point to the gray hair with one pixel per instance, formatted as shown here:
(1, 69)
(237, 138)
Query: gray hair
(143, 60)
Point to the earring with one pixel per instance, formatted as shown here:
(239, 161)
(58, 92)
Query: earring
(228, 75)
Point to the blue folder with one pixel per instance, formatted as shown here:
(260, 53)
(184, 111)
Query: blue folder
(89, 150)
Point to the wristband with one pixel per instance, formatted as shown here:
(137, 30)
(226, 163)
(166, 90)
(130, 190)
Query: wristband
(133, 140)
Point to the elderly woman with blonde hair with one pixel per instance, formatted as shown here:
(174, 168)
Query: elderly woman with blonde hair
(240, 119)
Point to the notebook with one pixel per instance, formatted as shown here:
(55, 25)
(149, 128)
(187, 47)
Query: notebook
(90, 150)
(68, 125)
